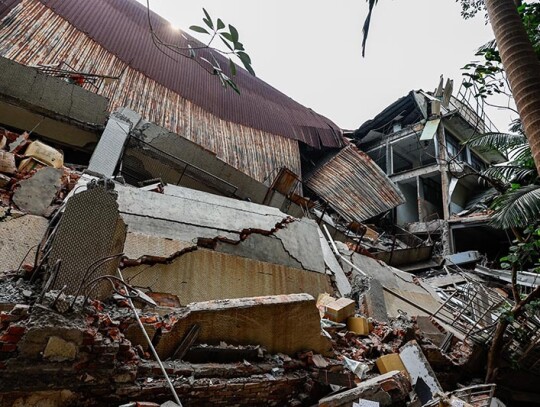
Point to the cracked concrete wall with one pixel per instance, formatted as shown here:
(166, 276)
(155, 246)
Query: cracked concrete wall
(205, 275)
(295, 245)
(243, 228)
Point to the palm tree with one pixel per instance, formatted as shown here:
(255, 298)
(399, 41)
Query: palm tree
(518, 59)
(515, 192)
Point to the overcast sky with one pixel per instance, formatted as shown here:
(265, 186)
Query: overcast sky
(311, 49)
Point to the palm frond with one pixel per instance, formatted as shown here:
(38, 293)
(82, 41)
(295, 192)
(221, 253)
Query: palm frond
(500, 142)
(367, 22)
(517, 208)
(522, 155)
(488, 45)
(510, 172)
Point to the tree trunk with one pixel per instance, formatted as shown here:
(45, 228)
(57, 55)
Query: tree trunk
(521, 66)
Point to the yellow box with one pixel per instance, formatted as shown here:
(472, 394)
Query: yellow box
(388, 363)
(339, 310)
(358, 325)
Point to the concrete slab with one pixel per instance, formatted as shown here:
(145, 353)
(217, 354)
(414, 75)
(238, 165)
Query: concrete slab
(108, 151)
(205, 275)
(384, 276)
(387, 389)
(36, 193)
(283, 323)
(186, 215)
(418, 367)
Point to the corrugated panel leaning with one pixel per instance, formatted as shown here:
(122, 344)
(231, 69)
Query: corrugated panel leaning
(354, 186)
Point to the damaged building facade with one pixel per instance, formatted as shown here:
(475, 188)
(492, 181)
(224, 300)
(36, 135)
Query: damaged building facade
(419, 142)
(164, 241)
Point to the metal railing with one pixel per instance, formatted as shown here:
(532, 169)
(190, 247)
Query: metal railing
(142, 161)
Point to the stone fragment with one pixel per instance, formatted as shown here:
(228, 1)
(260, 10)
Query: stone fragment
(4, 180)
(38, 192)
(59, 350)
(7, 163)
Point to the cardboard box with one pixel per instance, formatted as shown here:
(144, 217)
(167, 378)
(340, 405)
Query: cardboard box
(358, 325)
(340, 309)
(388, 363)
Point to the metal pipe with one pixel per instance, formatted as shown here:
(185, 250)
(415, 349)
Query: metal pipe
(336, 251)
(173, 390)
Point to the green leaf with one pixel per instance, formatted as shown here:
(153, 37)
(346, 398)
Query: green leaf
(232, 66)
(209, 22)
(227, 43)
(244, 57)
(227, 36)
(220, 24)
(234, 33)
(198, 29)
(246, 61)
(233, 85)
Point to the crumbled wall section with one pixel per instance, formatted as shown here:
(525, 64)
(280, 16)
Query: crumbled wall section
(204, 275)
(18, 236)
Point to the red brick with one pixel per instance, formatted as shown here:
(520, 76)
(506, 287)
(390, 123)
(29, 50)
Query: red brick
(16, 330)
(6, 338)
(8, 347)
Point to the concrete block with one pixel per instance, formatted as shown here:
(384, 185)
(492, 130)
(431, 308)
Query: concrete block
(59, 350)
(387, 389)
(340, 309)
(7, 163)
(388, 363)
(281, 323)
(358, 325)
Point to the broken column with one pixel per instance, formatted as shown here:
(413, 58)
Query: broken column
(90, 230)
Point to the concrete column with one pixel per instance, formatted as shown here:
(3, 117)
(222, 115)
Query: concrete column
(445, 184)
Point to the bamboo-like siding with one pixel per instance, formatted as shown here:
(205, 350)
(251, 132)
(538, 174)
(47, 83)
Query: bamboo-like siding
(355, 186)
(32, 34)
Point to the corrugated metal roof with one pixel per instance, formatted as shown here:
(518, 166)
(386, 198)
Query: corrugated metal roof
(354, 186)
(121, 27)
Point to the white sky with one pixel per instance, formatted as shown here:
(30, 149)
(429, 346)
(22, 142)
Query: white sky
(311, 49)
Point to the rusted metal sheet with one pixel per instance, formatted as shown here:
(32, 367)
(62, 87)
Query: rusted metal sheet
(354, 186)
(120, 28)
(33, 34)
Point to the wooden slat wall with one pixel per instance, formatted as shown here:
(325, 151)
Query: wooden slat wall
(32, 34)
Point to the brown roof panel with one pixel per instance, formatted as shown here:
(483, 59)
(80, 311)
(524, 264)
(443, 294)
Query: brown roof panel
(121, 27)
(354, 186)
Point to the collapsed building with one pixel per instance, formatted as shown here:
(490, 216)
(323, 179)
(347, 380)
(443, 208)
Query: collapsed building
(418, 142)
(164, 241)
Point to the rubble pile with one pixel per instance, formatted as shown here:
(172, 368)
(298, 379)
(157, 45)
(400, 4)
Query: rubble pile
(33, 178)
